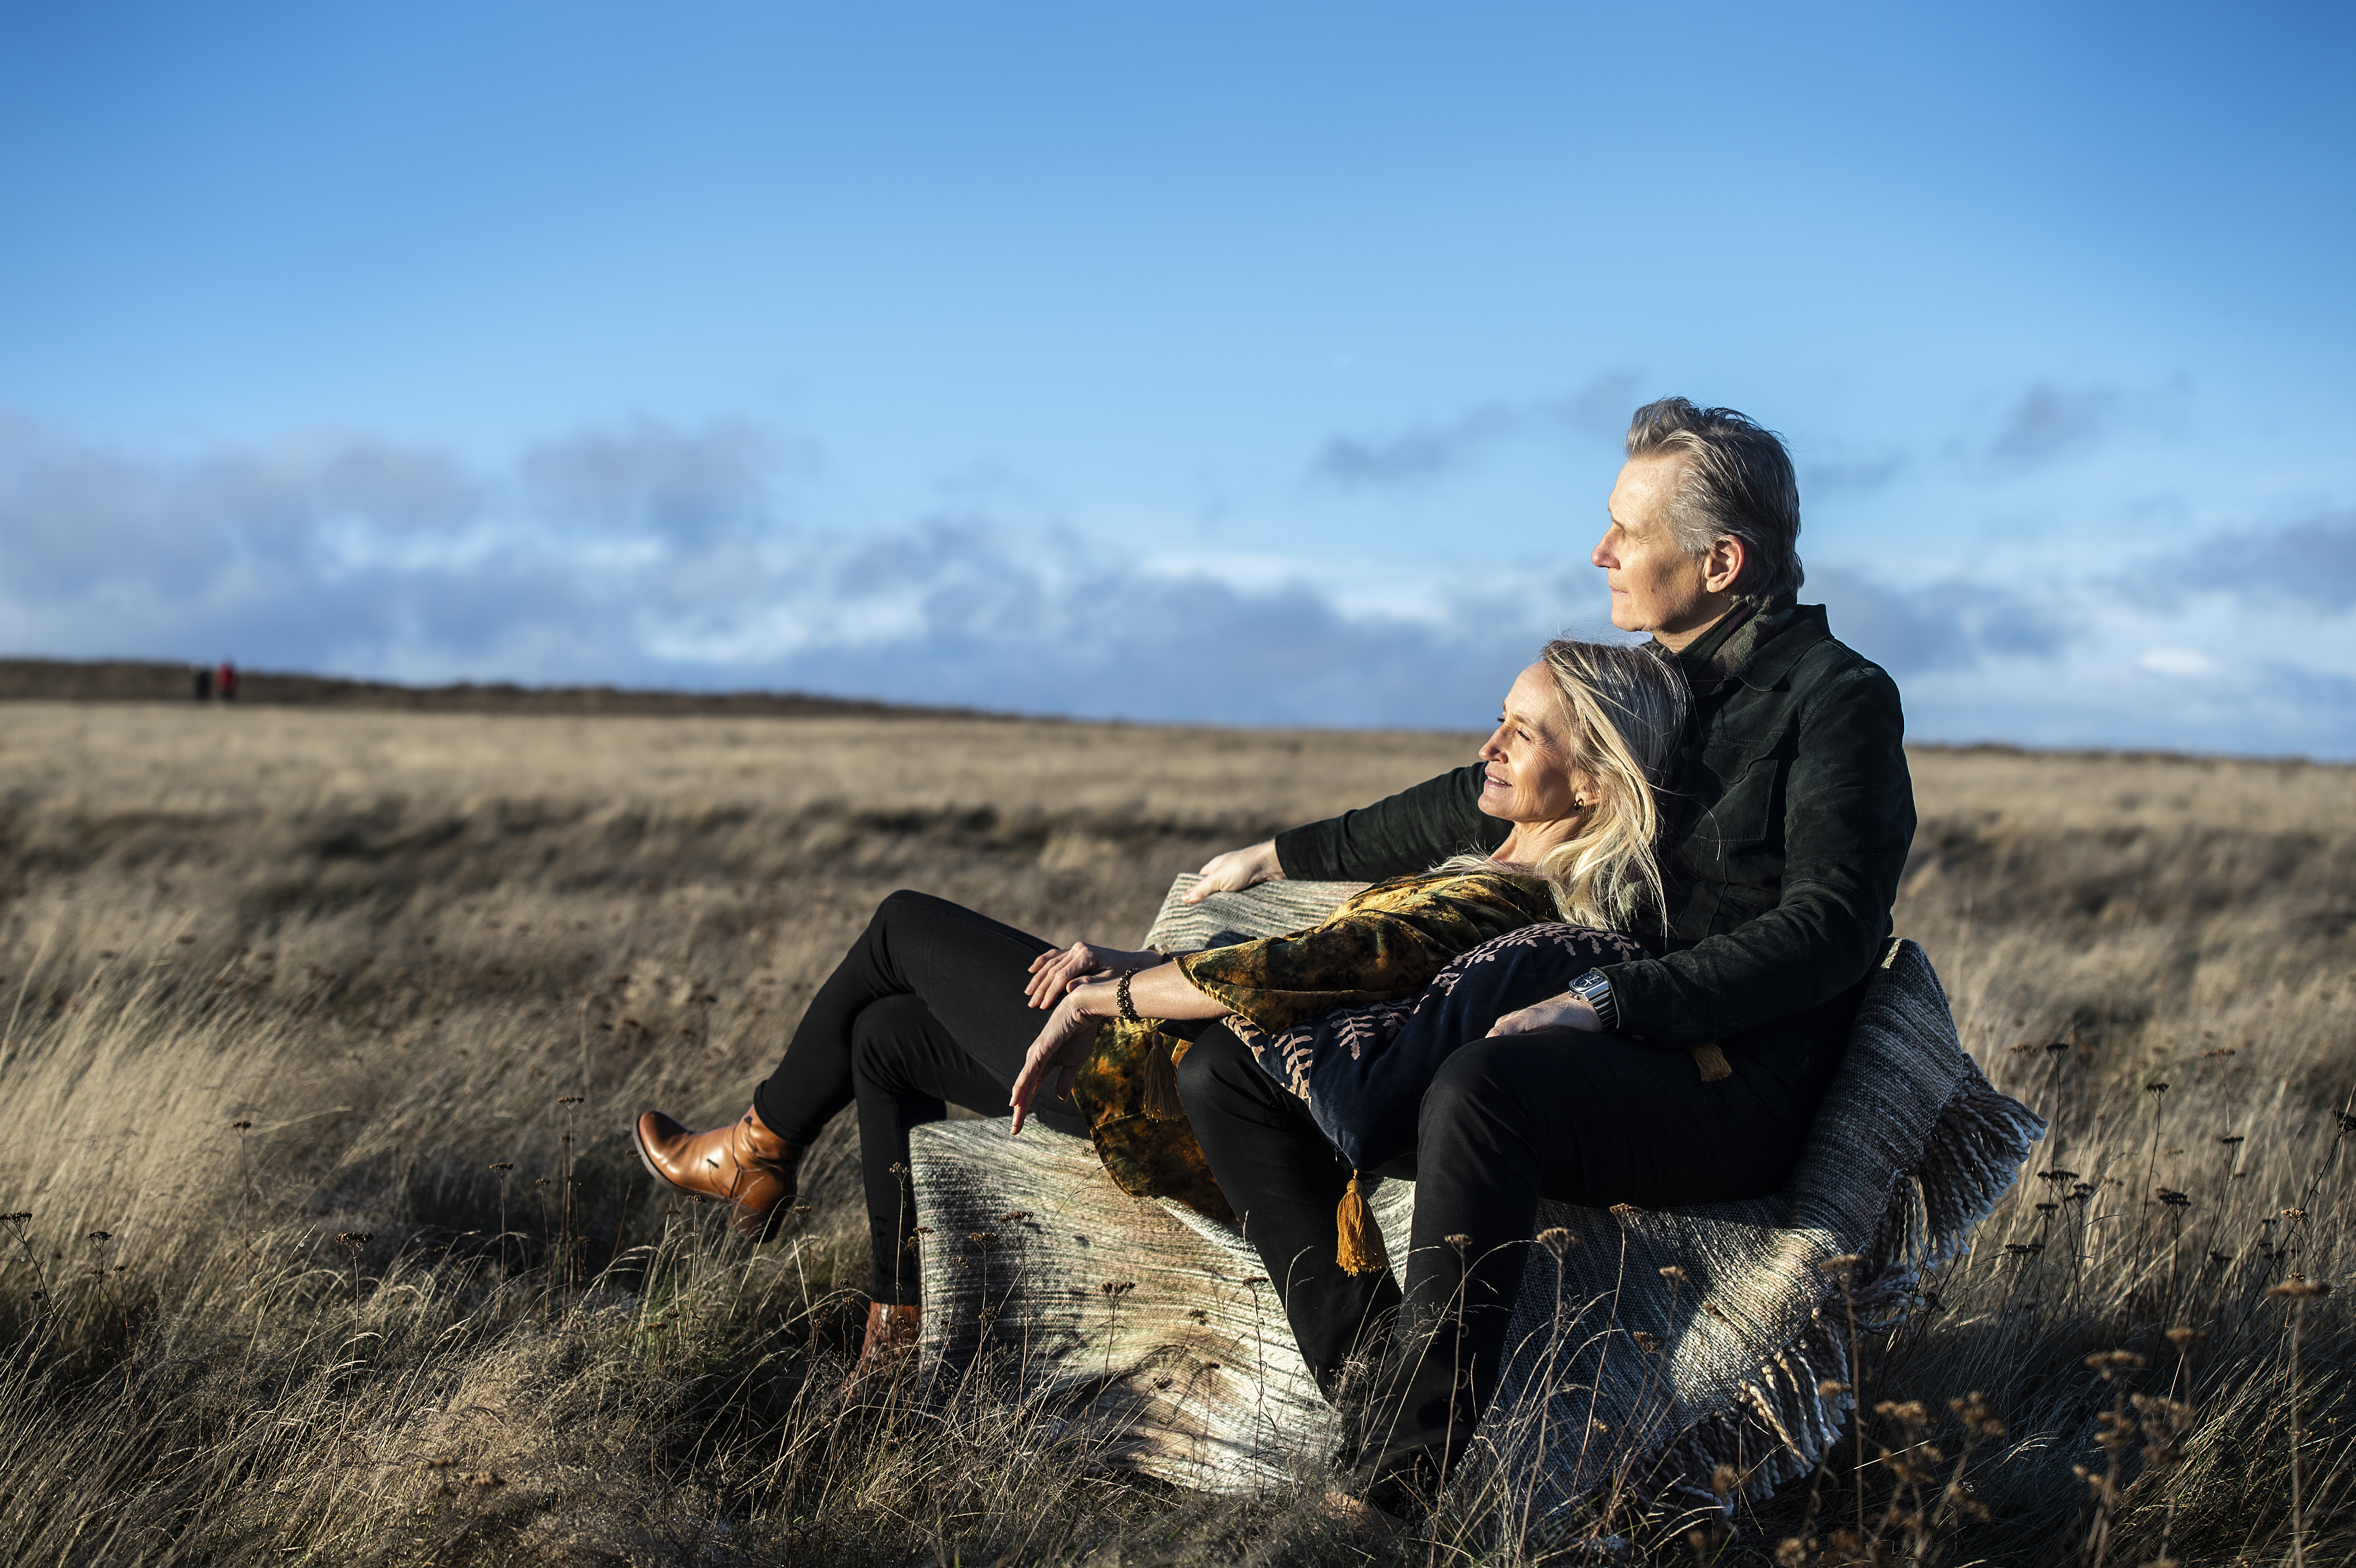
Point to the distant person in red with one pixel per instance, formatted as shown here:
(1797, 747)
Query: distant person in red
(228, 681)
(204, 673)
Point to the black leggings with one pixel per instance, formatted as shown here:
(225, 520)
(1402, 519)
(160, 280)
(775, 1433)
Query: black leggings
(925, 1011)
(1584, 1118)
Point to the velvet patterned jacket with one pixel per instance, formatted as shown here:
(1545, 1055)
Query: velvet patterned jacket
(1383, 945)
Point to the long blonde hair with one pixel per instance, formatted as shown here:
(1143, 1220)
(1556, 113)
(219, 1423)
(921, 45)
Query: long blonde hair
(1627, 711)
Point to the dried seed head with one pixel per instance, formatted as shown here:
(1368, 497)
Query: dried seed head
(1979, 1417)
(1645, 1341)
(1014, 1216)
(1841, 1266)
(2296, 1288)
(2174, 1199)
(1459, 1240)
(355, 1240)
(1725, 1480)
(2109, 1362)
(2181, 1336)
(1557, 1240)
(1906, 1412)
(1831, 1388)
(1672, 1273)
(1256, 1279)
(240, 1127)
(569, 1099)
(2154, 1088)
(2293, 1214)
(102, 1235)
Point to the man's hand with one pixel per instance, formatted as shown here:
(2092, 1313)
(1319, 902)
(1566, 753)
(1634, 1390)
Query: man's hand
(1566, 1011)
(1064, 1043)
(1238, 869)
(1060, 969)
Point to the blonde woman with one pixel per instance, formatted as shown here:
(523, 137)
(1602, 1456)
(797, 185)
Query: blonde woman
(932, 1006)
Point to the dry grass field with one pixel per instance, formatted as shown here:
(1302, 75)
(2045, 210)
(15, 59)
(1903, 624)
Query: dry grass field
(325, 1242)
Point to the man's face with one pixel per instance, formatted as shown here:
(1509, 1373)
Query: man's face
(1655, 586)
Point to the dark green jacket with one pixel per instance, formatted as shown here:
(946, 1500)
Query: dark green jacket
(1786, 829)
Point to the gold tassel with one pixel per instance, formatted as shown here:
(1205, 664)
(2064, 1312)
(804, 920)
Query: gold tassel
(1162, 1101)
(1361, 1250)
(1712, 1062)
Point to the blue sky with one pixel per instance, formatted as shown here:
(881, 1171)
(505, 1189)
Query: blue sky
(1208, 363)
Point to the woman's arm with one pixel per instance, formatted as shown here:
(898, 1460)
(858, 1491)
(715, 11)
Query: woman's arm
(1059, 969)
(1070, 1031)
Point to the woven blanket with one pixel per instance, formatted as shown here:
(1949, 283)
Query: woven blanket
(1616, 1371)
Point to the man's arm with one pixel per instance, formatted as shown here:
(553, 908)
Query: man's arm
(1848, 822)
(1409, 832)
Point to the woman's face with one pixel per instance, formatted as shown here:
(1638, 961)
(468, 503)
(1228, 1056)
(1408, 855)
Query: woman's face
(1529, 779)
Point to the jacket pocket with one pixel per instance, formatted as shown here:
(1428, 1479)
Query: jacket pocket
(1746, 812)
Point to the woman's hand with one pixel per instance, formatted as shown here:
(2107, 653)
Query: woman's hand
(1054, 972)
(1063, 1042)
(1238, 869)
(1566, 1011)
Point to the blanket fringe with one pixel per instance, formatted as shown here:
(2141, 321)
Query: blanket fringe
(1784, 1423)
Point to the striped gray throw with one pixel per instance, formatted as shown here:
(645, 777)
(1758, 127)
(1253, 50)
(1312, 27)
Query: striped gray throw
(1618, 1375)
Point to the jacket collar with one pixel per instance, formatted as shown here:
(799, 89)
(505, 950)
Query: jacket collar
(1781, 649)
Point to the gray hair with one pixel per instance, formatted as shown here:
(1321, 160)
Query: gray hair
(1738, 484)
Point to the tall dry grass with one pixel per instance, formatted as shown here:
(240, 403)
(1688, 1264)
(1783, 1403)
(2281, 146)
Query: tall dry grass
(324, 1026)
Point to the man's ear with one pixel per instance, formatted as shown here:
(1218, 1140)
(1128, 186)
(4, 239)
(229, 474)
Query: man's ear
(1722, 567)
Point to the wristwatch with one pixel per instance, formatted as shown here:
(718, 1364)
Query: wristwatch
(1595, 990)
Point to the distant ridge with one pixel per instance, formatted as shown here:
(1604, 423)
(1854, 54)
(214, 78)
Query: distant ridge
(157, 681)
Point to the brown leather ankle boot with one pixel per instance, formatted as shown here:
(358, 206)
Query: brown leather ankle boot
(744, 1165)
(887, 1353)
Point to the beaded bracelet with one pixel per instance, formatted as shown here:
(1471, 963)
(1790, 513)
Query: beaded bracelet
(1120, 997)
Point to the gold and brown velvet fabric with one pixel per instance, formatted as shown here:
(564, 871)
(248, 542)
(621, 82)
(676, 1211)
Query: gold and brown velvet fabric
(1382, 945)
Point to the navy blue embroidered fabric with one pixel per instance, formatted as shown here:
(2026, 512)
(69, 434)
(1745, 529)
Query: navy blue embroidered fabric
(1362, 1071)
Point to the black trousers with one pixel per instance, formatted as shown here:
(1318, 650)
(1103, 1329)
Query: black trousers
(925, 1011)
(1582, 1119)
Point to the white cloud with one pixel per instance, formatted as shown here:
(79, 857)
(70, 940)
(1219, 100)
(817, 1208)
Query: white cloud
(660, 556)
(2185, 664)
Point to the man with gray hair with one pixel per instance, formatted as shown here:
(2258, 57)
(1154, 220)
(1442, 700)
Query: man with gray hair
(1786, 823)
